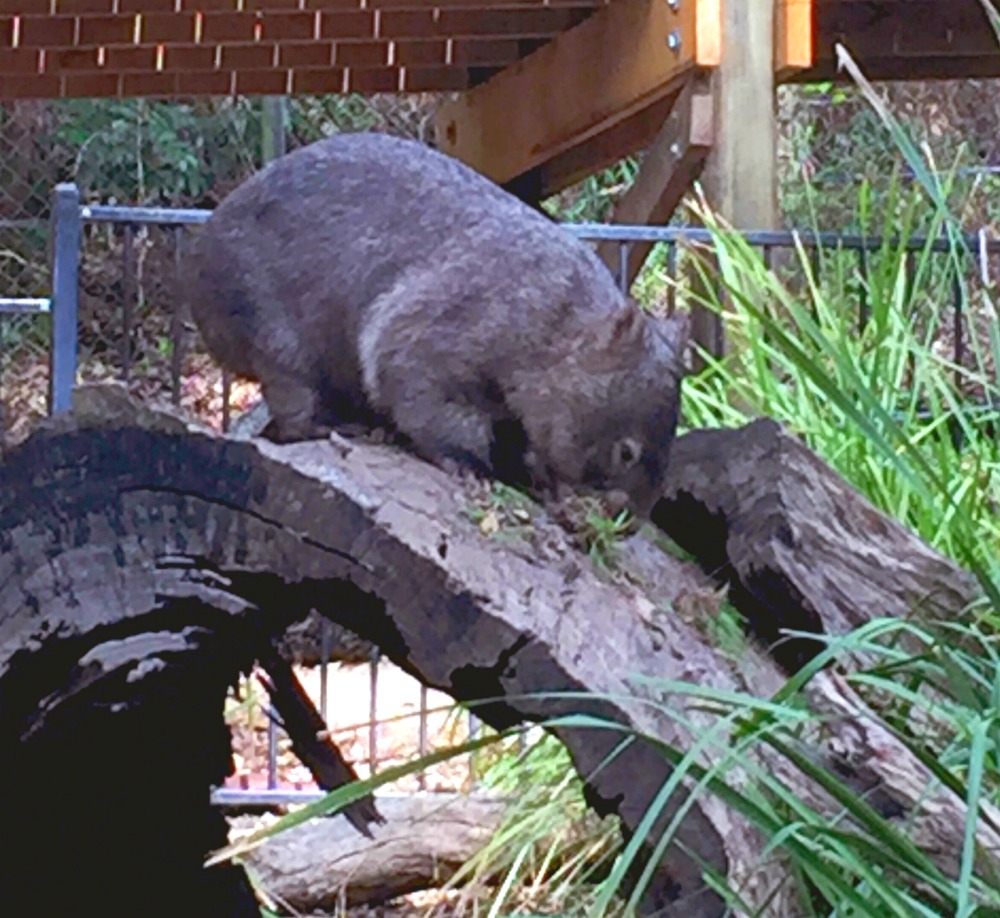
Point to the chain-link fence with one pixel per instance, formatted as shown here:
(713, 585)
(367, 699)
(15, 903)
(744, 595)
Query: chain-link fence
(141, 152)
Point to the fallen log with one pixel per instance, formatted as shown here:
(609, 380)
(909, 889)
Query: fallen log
(324, 865)
(120, 522)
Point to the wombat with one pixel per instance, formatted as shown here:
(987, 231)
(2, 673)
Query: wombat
(367, 280)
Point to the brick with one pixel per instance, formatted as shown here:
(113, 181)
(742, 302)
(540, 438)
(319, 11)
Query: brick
(146, 6)
(247, 57)
(47, 31)
(480, 52)
(420, 53)
(164, 28)
(71, 59)
(229, 27)
(6, 31)
(162, 85)
(408, 24)
(545, 21)
(32, 7)
(386, 80)
(107, 30)
(19, 60)
(45, 86)
(311, 55)
(436, 79)
(261, 82)
(368, 54)
(318, 82)
(210, 6)
(272, 5)
(193, 57)
(333, 5)
(84, 6)
(135, 58)
(289, 26)
(219, 83)
(359, 24)
(84, 85)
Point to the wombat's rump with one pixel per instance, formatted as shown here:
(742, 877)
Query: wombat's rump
(366, 279)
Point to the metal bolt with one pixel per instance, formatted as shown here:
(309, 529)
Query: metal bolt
(675, 5)
(674, 40)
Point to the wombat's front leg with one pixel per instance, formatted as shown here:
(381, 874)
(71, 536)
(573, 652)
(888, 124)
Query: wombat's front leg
(453, 434)
(293, 404)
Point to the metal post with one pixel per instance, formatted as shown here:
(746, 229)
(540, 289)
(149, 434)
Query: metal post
(273, 141)
(66, 239)
(373, 712)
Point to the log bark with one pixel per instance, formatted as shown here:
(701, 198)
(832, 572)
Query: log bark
(796, 546)
(324, 865)
(120, 523)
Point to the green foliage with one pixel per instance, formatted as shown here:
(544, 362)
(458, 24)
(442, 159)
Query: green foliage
(137, 151)
(601, 535)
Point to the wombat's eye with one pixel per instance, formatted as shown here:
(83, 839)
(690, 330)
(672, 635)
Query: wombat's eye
(626, 453)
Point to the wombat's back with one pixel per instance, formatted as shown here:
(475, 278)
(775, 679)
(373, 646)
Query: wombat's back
(290, 261)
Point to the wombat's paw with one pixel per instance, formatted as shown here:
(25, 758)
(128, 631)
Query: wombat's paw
(340, 442)
(296, 432)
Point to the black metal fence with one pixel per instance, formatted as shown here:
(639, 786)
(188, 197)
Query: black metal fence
(76, 225)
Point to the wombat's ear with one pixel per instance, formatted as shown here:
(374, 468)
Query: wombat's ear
(628, 327)
(609, 346)
(674, 334)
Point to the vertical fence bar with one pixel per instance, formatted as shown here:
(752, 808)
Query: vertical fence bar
(373, 712)
(227, 385)
(909, 275)
(176, 326)
(65, 240)
(864, 308)
(959, 325)
(623, 250)
(325, 649)
(272, 749)
(672, 271)
(128, 296)
(474, 727)
(422, 739)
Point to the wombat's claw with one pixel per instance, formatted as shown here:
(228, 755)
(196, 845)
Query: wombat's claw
(461, 470)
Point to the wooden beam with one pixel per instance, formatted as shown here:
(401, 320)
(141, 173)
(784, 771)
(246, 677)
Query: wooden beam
(919, 39)
(615, 143)
(671, 164)
(794, 45)
(617, 62)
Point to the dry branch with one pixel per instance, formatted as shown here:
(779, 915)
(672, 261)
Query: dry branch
(324, 865)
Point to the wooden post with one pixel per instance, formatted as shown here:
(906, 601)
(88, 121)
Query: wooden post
(740, 177)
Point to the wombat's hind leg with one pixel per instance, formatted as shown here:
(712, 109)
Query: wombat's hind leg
(293, 404)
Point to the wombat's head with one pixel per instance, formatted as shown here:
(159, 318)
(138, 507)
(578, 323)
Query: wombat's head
(612, 419)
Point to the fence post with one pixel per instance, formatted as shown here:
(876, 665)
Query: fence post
(66, 237)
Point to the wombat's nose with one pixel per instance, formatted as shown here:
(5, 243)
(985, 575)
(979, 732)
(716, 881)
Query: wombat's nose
(617, 501)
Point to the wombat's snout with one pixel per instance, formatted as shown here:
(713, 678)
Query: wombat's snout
(618, 500)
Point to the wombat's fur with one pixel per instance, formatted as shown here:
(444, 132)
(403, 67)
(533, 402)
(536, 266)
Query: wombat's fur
(368, 280)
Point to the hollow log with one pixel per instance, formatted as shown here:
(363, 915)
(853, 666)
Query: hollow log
(796, 546)
(125, 531)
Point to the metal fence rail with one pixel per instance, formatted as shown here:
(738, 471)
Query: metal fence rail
(71, 218)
